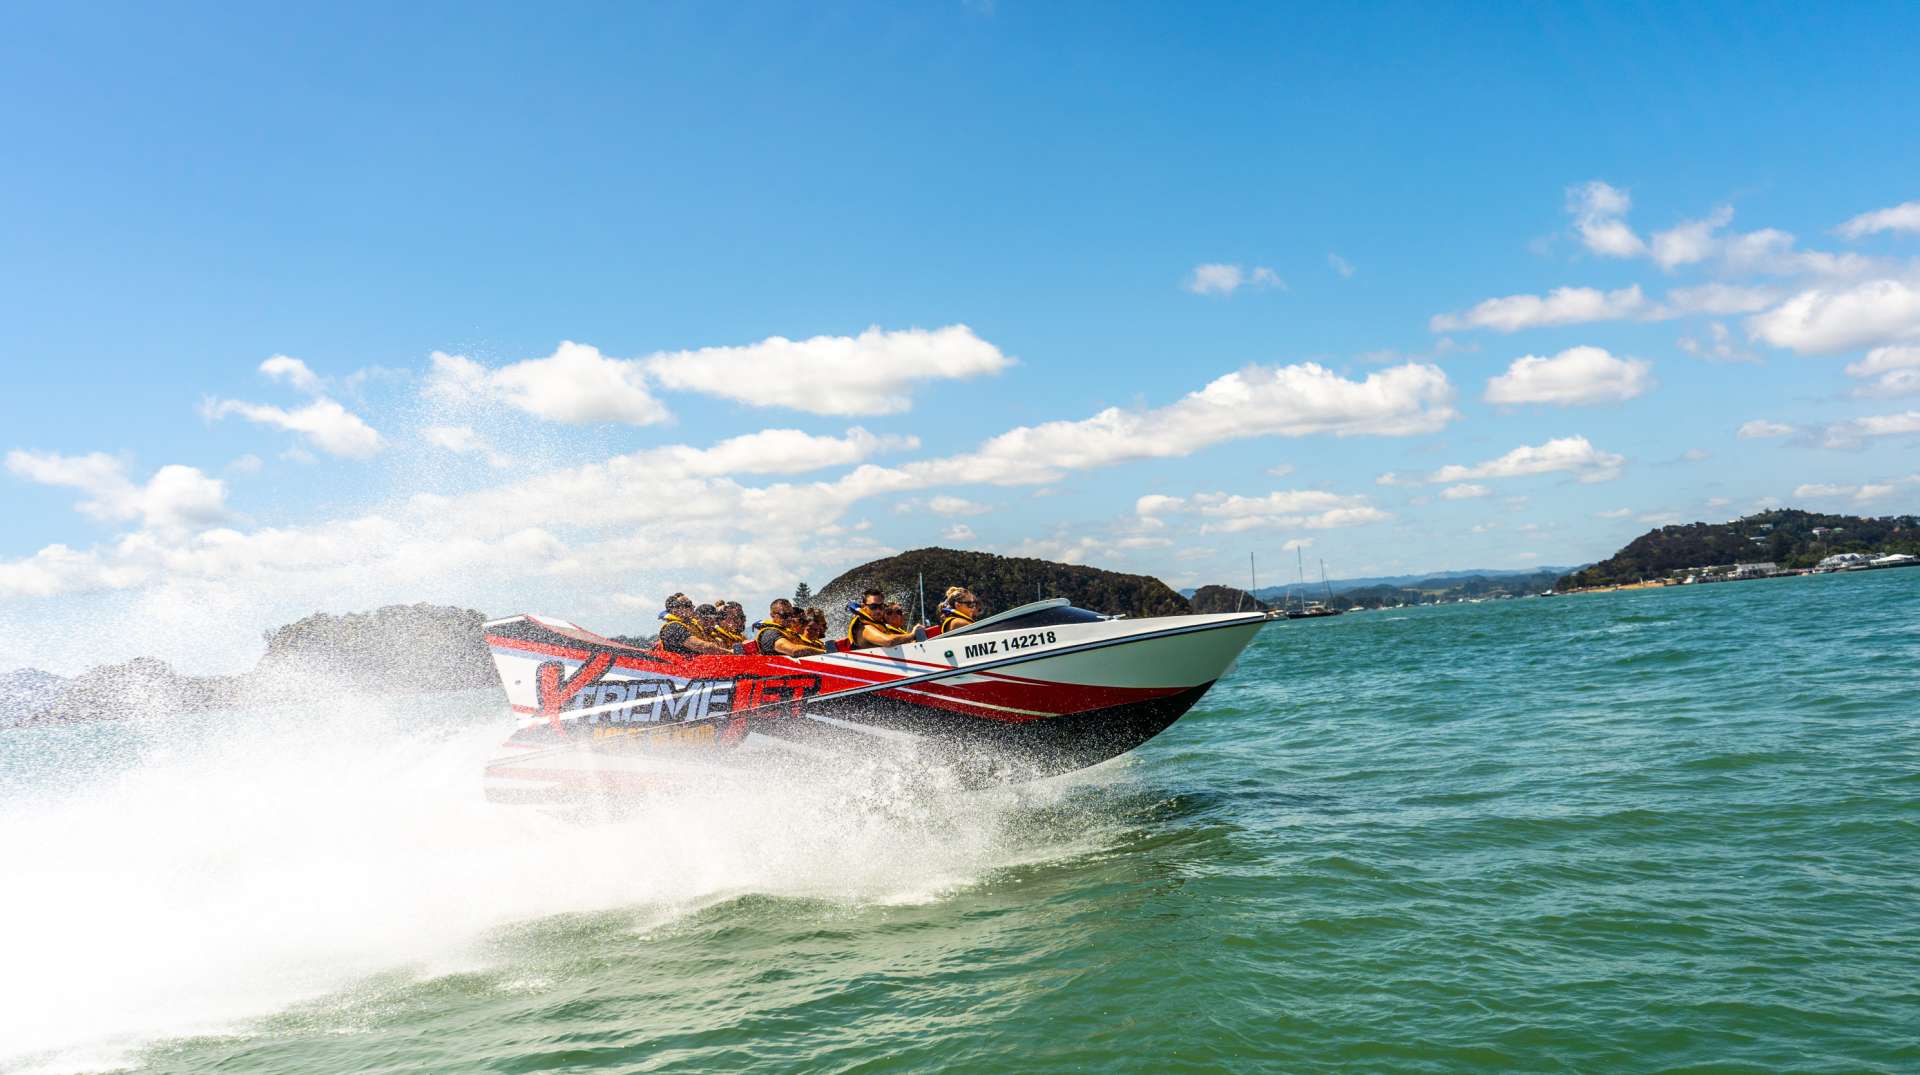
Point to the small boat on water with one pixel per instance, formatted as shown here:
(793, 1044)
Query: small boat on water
(1309, 610)
(1037, 690)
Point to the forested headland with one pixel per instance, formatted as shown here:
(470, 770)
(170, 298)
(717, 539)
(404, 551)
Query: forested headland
(1786, 537)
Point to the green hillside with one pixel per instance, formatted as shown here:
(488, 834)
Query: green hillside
(1786, 537)
(1001, 581)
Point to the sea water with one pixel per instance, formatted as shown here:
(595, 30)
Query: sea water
(1636, 831)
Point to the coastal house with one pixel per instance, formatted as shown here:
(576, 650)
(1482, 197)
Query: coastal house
(1754, 571)
(1842, 561)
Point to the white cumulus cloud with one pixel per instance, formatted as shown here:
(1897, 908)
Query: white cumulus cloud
(1257, 401)
(1888, 371)
(1829, 320)
(1574, 376)
(1853, 432)
(1573, 455)
(1691, 241)
(1768, 251)
(175, 497)
(872, 373)
(293, 372)
(575, 384)
(323, 423)
(1599, 210)
(1561, 306)
(1464, 491)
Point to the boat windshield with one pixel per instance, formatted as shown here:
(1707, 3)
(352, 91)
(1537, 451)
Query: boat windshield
(1049, 614)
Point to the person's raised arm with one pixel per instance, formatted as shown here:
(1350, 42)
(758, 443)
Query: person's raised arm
(875, 636)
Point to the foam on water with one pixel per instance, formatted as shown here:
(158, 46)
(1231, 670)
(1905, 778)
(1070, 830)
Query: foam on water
(241, 862)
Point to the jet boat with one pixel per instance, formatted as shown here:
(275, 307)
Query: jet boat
(1037, 690)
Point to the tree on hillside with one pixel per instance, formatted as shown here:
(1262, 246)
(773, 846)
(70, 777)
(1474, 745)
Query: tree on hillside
(803, 594)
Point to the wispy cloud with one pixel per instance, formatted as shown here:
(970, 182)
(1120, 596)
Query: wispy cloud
(323, 423)
(1215, 278)
(1903, 217)
(1572, 455)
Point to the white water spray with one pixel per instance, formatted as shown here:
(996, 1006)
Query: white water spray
(235, 863)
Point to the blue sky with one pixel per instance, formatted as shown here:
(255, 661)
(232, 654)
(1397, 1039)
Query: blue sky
(1013, 240)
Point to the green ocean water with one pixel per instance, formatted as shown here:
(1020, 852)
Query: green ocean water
(1649, 831)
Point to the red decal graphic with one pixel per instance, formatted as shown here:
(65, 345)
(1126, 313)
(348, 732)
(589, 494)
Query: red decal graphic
(555, 692)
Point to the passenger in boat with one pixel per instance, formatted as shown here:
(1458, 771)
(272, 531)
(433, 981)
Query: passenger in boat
(780, 632)
(868, 629)
(959, 609)
(681, 633)
(816, 629)
(730, 625)
(704, 619)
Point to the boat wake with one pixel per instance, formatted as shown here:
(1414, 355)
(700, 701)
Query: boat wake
(185, 876)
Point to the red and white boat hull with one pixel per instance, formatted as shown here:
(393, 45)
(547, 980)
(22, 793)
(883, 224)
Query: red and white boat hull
(1036, 691)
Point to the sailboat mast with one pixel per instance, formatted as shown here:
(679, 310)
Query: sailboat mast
(1325, 583)
(1300, 569)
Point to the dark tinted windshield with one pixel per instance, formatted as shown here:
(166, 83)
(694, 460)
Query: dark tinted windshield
(1046, 617)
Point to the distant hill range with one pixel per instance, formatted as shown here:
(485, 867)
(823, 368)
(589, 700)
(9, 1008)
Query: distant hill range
(1432, 580)
(1210, 599)
(1785, 537)
(399, 649)
(1002, 582)
(1405, 589)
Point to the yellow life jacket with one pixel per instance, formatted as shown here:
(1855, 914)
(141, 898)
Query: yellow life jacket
(724, 635)
(795, 638)
(954, 618)
(693, 630)
(853, 628)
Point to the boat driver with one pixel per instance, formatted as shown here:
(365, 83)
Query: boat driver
(868, 629)
(681, 633)
(780, 632)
